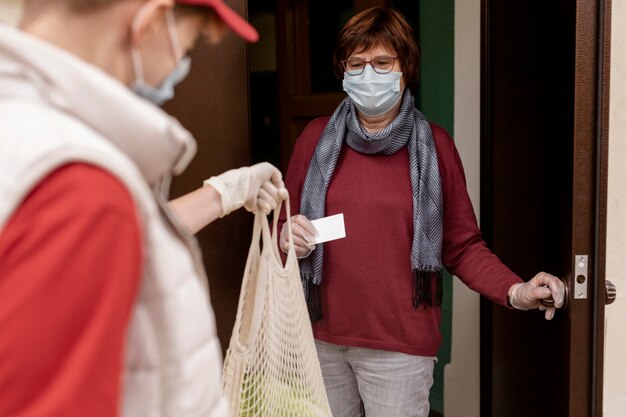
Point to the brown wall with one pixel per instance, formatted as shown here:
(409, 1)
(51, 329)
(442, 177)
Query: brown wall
(213, 104)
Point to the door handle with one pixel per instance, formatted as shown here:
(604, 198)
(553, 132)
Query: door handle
(581, 269)
(549, 302)
(610, 295)
(611, 292)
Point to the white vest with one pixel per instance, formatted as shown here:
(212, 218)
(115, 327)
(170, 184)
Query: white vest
(56, 109)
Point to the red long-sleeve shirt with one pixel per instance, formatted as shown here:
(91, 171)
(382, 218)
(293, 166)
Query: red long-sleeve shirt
(70, 260)
(367, 278)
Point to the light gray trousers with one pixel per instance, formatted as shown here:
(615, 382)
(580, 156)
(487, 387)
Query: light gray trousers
(388, 384)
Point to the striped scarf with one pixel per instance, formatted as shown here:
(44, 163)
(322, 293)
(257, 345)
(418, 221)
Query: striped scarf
(411, 129)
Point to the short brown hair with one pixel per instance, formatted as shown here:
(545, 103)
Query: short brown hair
(379, 27)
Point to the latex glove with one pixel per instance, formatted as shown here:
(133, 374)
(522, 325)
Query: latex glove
(257, 187)
(303, 236)
(528, 295)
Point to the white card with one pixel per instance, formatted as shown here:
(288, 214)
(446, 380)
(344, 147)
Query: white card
(329, 228)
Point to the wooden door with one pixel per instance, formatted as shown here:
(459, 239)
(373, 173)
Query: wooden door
(543, 200)
(306, 34)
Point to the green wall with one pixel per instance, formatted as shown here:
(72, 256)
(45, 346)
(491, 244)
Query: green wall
(435, 98)
(436, 38)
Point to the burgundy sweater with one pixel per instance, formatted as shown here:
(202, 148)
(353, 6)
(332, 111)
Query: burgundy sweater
(366, 279)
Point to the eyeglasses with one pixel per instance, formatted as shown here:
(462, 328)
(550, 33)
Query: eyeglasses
(380, 64)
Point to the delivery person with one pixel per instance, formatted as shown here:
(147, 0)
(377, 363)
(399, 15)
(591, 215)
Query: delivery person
(104, 309)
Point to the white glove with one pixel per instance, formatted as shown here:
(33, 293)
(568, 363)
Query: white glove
(303, 236)
(528, 295)
(258, 187)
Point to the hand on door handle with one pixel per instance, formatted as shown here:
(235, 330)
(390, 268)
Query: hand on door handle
(528, 295)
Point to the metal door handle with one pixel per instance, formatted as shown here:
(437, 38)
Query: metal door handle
(549, 302)
(611, 292)
(610, 295)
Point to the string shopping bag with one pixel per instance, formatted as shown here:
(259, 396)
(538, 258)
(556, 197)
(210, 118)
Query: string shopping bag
(271, 367)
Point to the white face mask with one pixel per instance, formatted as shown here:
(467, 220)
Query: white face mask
(164, 91)
(373, 93)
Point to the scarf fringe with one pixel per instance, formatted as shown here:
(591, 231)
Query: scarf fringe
(422, 288)
(313, 297)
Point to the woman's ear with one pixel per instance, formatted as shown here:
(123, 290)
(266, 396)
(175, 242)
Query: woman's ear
(147, 18)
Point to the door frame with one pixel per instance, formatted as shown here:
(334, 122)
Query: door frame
(602, 157)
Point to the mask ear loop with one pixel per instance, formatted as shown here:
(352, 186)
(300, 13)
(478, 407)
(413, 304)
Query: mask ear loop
(173, 31)
(174, 41)
(134, 53)
(137, 64)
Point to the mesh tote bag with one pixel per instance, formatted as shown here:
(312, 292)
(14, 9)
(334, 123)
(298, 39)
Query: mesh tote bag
(271, 367)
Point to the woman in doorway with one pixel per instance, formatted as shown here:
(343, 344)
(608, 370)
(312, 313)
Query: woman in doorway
(375, 296)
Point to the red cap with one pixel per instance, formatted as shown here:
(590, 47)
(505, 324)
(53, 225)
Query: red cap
(229, 16)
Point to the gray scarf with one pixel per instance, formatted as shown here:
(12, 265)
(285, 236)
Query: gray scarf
(409, 128)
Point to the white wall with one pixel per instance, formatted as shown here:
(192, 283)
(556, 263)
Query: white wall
(10, 11)
(615, 333)
(462, 374)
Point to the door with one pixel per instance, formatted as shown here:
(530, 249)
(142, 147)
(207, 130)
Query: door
(305, 38)
(543, 200)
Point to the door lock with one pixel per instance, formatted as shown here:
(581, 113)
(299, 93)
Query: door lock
(581, 274)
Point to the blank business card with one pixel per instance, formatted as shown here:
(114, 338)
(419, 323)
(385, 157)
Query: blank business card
(329, 228)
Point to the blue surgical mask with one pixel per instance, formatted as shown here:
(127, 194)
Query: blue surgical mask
(373, 94)
(165, 90)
